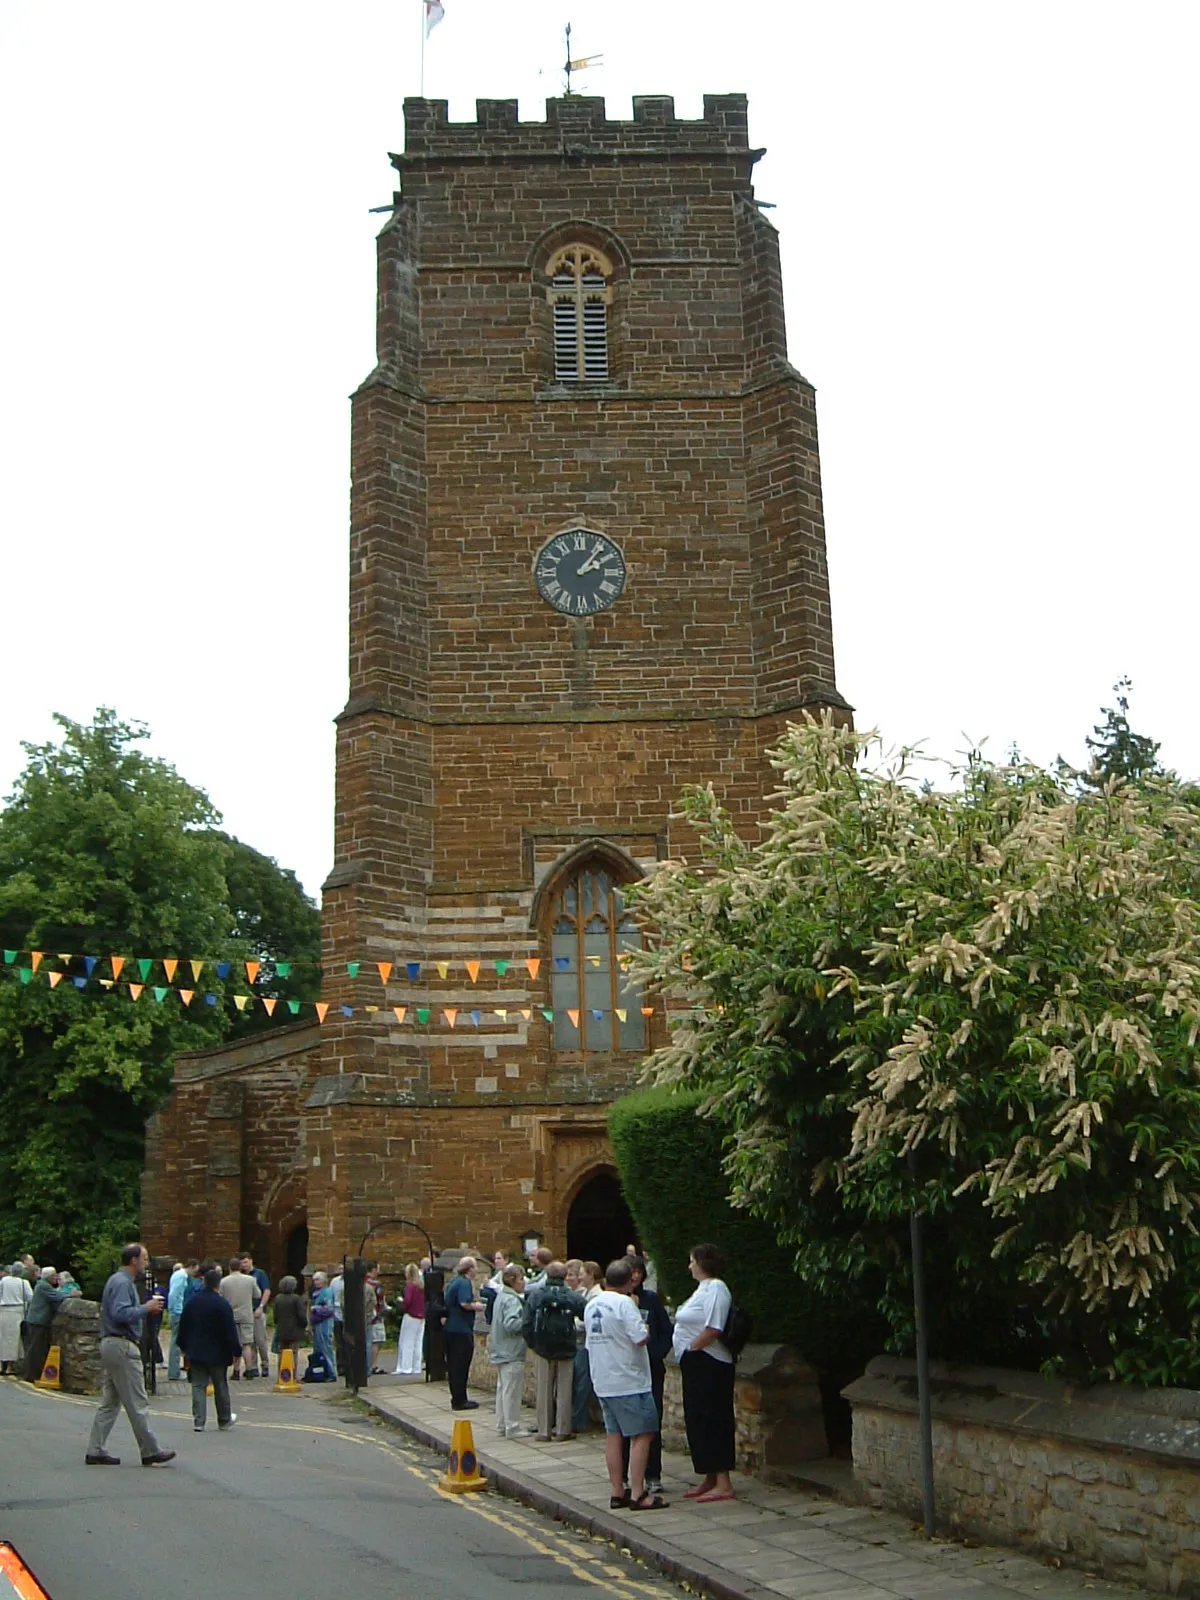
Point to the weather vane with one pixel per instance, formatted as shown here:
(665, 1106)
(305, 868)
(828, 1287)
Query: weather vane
(578, 64)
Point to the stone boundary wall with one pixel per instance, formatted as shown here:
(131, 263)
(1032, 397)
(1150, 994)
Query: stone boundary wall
(76, 1331)
(1106, 1477)
(777, 1406)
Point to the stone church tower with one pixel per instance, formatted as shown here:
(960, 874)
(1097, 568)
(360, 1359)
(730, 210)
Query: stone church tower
(587, 567)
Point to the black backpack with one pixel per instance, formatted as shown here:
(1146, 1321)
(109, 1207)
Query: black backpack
(552, 1325)
(735, 1335)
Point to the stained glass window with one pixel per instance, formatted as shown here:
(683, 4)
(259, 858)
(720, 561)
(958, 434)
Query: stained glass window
(590, 932)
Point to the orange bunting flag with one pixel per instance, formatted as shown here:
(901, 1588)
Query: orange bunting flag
(443, 968)
(528, 1015)
(647, 1011)
(117, 963)
(197, 968)
(253, 968)
(320, 1007)
(55, 979)
(268, 1004)
(241, 1001)
(135, 990)
(401, 1012)
(35, 958)
(186, 995)
(385, 970)
(169, 968)
(532, 966)
(472, 970)
(621, 1015)
(451, 1016)
(574, 1016)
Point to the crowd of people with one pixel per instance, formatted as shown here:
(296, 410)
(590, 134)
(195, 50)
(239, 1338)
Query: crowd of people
(29, 1297)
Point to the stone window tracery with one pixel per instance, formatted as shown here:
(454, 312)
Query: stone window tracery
(580, 294)
(591, 929)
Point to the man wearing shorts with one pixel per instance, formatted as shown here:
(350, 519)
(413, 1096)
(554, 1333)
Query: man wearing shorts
(240, 1289)
(620, 1367)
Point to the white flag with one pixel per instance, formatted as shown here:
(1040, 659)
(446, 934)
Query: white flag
(434, 12)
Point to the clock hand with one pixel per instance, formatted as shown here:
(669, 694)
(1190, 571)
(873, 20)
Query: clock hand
(591, 561)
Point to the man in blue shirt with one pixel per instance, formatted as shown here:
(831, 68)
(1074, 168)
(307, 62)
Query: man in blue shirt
(176, 1297)
(121, 1319)
(461, 1306)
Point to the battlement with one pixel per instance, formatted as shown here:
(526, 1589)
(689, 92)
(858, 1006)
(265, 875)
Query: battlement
(576, 124)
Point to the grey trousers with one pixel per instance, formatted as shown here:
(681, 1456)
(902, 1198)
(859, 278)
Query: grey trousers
(262, 1346)
(510, 1381)
(200, 1378)
(554, 1380)
(124, 1385)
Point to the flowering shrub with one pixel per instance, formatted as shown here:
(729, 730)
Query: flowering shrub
(1002, 979)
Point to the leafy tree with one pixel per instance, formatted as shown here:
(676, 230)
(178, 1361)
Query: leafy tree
(1118, 752)
(106, 850)
(1001, 981)
(275, 919)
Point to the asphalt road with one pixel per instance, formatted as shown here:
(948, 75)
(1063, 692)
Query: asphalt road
(305, 1496)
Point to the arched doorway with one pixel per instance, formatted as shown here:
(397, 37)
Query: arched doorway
(599, 1224)
(296, 1252)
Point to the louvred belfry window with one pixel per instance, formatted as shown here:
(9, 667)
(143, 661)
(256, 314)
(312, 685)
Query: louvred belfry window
(580, 295)
(591, 934)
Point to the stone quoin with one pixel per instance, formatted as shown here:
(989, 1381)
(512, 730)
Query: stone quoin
(587, 568)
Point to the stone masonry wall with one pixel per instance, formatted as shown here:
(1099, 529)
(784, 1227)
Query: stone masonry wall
(1107, 1478)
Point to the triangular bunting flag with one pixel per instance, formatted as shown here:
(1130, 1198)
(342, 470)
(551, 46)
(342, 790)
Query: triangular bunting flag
(574, 1016)
(117, 963)
(66, 960)
(135, 991)
(144, 965)
(283, 969)
(9, 957)
(443, 969)
(106, 983)
(24, 973)
(197, 968)
(385, 970)
(224, 968)
(268, 1005)
(422, 1015)
(621, 1015)
(549, 1015)
(186, 995)
(477, 1017)
(241, 1001)
(532, 966)
(210, 999)
(253, 968)
(593, 961)
(80, 983)
(347, 1011)
(352, 968)
(502, 1014)
(472, 970)
(562, 962)
(90, 964)
(599, 1015)
(320, 1007)
(623, 960)
(501, 968)
(413, 968)
(401, 1012)
(528, 1015)
(294, 1007)
(370, 1010)
(55, 979)
(169, 968)
(647, 1011)
(35, 958)
(451, 1016)
(159, 995)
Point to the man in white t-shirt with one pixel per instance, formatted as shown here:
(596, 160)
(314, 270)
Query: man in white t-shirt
(620, 1369)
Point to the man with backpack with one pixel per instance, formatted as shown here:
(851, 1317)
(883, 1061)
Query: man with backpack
(549, 1329)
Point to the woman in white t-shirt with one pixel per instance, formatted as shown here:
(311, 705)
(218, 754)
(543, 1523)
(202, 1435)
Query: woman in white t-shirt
(707, 1370)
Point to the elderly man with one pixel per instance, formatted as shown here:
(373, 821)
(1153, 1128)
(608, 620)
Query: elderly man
(39, 1314)
(549, 1326)
(121, 1320)
(461, 1306)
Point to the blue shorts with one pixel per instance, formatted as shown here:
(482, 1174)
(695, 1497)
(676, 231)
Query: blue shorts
(629, 1414)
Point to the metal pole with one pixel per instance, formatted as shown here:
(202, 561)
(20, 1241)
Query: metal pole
(920, 1313)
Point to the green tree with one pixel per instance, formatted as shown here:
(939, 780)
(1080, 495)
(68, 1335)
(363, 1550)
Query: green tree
(106, 850)
(1002, 979)
(1117, 751)
(274, 919)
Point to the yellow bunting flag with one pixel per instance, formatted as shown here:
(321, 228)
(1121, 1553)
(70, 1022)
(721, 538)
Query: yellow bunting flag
(135, 990)
(55, 979)
(472, 970)
(320, 1007)
(253, 968)
(105, 983)
(532, 966)
(451, 1016)
(401, 1012)
(593, 961)
(385, 970)
(117, 963)
(197, 968)
(647, 1011)
(35, 958)
(574, 1016)
(169, 968)
(370, 1010)
(503, 1015)
(241, 1001)
(187, 995)
(66, 960)
(268, 1004)
(443, 968)
(621, 1015)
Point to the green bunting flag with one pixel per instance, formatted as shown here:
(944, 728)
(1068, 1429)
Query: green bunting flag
(352, 968)
(549, 1015)
(283, 968)
(501, 968)
(422, 1015)
(25, 973)
(9, 957)
(294, 1007)
(161, 994)
(144, 967)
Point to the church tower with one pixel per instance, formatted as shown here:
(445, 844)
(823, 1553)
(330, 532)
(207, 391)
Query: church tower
(587, 567)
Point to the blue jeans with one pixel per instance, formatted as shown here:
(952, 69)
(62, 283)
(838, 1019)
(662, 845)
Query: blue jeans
(582, 1393)
(173, 1353)
(322, 1333)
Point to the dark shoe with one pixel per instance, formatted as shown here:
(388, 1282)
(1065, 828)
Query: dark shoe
(235, 1377)
(252, 1374)
(648, 1502)
(159, 1458)
(618, 1502)
(102, 1459)
(467, 1405)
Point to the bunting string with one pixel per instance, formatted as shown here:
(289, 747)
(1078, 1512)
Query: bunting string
(386, 970)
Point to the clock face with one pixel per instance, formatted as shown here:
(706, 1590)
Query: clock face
(579, 572)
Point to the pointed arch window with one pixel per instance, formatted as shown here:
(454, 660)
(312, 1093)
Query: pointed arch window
(580, 294)
(591, 930)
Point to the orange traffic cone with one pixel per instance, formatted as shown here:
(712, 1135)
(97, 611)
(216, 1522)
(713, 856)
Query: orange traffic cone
(51, 1377)
(286, 1382)
(462, 1474)
(17, 1575)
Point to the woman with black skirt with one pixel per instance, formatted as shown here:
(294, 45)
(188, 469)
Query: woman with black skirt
(707, 1370)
